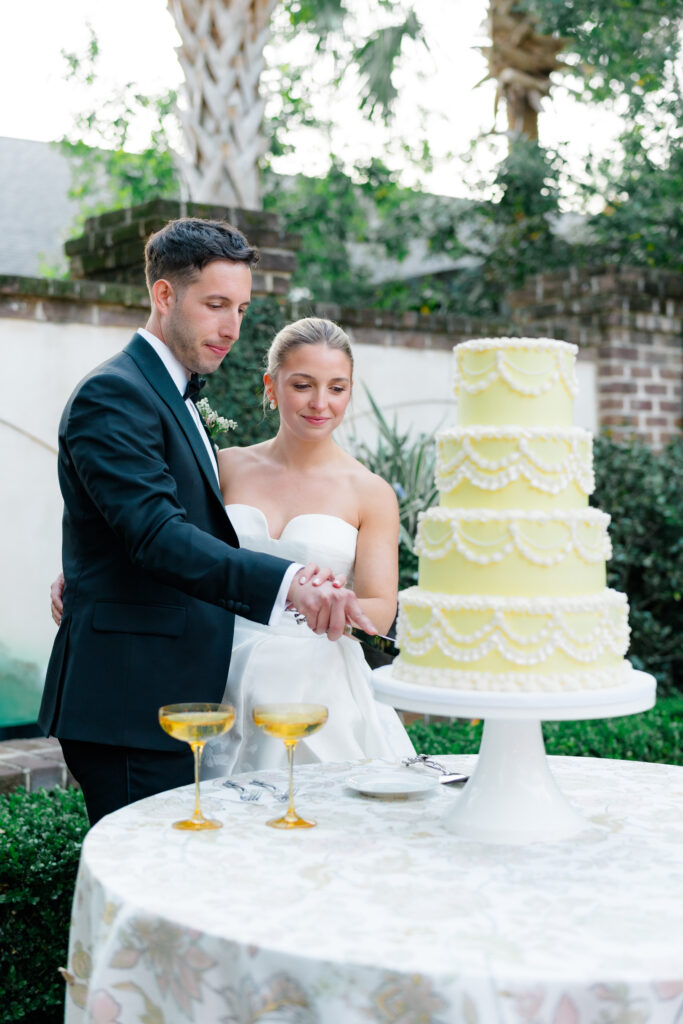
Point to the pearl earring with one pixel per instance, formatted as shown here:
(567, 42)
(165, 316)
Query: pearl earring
(273, 404)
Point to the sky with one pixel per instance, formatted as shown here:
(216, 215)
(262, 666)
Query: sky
(138, 40)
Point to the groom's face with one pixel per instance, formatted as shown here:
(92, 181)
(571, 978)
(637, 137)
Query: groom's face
(203, 319)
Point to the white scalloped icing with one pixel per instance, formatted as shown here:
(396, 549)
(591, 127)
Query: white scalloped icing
(486, 432)
(512, 535)
(609, 633)
(527, 605)
(513, 682)
(502, 366)
(482, 344)
(551, 477)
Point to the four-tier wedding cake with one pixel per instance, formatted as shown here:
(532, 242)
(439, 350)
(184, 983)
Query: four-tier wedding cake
(511, 591)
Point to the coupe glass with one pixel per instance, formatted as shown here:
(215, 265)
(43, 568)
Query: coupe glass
(290, 723)
(196, 723)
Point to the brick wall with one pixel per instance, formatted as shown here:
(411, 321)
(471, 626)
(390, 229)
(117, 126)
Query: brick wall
(632, 318)
(111, 247)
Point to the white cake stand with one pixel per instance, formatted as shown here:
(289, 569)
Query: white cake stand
(512, 796)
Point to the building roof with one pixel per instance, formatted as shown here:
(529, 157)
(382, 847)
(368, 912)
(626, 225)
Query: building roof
(36, 212)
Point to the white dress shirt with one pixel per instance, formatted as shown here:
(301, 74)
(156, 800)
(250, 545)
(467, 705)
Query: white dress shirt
(179, 375)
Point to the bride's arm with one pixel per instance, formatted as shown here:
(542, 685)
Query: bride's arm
(376, 571)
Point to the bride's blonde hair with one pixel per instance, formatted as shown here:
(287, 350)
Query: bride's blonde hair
(311, 330)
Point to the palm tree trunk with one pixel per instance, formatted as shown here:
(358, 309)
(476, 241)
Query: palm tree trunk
(521, 61)
(221, 53)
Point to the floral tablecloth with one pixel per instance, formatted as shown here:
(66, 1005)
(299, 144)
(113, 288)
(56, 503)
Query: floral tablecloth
(381, 915)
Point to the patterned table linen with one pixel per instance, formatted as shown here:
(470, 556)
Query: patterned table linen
(381, 915)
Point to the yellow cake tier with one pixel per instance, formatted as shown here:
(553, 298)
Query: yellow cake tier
(514, 467)
(518, 552)
(512, 643)
(520, 381)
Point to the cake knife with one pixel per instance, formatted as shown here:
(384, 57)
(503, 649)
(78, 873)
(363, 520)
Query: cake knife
(358, 634)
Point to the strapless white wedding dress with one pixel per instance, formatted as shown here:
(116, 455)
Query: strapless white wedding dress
(289, 662)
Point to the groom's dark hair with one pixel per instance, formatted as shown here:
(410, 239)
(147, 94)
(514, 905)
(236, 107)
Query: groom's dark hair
(181, 249)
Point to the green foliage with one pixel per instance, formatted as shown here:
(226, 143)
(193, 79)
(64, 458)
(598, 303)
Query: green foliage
(408, 464)
(516, 233)
(643, 492)
(337, 212)
(505, 240)
(340, 38)
(655, 736)
(627, 48)
(629, 53)
(642, 219)
(376, 58)
(236, 389)
(40, 843)
(105, 174)
(327, 213)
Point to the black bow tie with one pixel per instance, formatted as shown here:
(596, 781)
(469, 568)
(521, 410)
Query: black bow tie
(194, 386)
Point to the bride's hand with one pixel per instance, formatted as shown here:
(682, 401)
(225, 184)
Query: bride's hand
(327, 608)
(316, 575)
(56, 603)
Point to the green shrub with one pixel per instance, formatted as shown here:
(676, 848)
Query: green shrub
(40, 844)
(643, 492)
(408, 464)
(236, 389)
(655, 735)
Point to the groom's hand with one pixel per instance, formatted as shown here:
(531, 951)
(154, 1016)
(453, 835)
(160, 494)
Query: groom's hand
(327, 607)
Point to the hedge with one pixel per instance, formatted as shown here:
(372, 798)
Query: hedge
(655, 735)
(40, 845)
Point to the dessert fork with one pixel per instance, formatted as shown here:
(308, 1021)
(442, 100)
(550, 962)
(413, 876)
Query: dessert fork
(245, 794)
(446, 774)
(279, 794)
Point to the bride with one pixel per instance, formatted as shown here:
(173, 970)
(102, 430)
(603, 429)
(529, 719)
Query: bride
(300, 496)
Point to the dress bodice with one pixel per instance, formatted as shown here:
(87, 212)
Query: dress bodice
(312, 537)
(289, 662)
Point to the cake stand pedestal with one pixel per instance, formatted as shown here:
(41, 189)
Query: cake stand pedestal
(512, 796)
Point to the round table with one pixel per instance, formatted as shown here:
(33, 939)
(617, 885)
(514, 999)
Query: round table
(380, 914)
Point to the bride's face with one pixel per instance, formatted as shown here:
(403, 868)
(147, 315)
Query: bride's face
(312, 390)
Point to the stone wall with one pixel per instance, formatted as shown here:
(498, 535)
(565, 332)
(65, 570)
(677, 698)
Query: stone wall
(32, 764)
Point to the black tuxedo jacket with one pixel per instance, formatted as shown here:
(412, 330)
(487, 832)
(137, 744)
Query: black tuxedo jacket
(153, 568)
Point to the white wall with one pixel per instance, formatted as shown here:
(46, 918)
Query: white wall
(43, 362)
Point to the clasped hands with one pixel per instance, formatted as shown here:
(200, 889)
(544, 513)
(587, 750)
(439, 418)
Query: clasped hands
(325, 602)
(316, 593)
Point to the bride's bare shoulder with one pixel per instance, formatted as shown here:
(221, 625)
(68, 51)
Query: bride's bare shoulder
(235, 458)
(369, 486)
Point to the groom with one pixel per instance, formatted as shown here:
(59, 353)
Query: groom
(154, 572)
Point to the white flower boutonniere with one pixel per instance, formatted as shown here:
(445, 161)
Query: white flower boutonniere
(216, 425)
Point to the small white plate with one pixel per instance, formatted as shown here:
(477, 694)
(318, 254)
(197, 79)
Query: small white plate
(391, 785)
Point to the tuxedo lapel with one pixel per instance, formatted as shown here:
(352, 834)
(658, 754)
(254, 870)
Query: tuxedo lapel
(157, 375)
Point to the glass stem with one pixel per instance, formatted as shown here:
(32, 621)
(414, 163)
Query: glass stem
(197, 751)
(291, 813)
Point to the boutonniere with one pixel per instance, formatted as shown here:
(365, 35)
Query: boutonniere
(215, 425)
